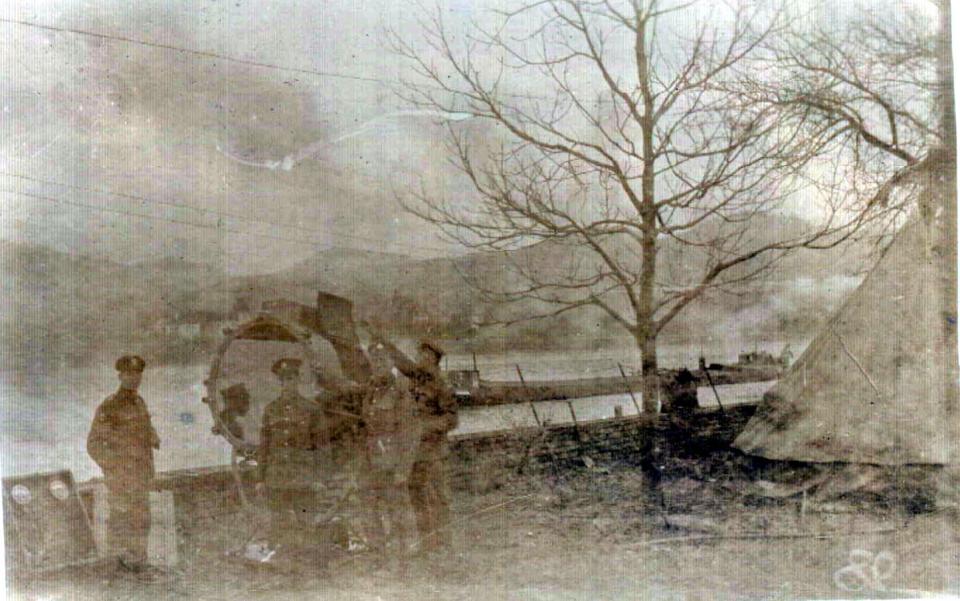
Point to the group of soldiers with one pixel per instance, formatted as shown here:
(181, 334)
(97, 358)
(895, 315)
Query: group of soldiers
(390, 434)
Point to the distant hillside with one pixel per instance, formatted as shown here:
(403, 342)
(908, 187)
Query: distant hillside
(393, 288)
(64, 309)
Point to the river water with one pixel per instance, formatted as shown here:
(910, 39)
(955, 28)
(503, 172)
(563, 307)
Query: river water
(561, 365)
(44, 420)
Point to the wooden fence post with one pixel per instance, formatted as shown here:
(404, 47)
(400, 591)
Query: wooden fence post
(629, 388)
(524, 384)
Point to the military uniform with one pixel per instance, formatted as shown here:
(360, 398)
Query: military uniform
(684, 402)
(121, 442)
(289, 463)
(342, 443)
(236, 400)
(390, 439)
(341, 409)
(436, 410)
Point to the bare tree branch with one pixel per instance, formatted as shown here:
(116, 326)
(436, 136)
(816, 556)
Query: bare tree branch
(632, 147)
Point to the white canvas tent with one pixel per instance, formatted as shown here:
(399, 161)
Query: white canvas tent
(868, 389)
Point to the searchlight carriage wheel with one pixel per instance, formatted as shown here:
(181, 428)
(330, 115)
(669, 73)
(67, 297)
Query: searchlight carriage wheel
(266, 339)
(241, 384)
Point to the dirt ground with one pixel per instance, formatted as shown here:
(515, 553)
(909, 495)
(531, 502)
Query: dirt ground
(588, 534)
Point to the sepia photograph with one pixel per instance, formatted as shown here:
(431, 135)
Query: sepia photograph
(478, 299)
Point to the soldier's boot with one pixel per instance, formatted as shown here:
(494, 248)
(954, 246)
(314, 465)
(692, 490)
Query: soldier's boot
(133, 559)
(125, 564)
(129, 524)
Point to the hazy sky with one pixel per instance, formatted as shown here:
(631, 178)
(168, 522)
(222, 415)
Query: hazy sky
(135, 151)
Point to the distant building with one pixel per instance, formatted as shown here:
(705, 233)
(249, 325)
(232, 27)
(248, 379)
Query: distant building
(190, 325)
(463, 380)
(757, 359)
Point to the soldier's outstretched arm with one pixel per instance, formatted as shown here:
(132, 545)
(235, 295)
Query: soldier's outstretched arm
(403, 363)
(334, 385)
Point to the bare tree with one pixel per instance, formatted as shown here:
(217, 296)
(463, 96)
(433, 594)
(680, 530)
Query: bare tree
(877, 89)
(866, 90)
(668, 157)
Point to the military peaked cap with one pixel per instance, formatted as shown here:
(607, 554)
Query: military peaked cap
(433, 347)
(235, 391)
(236, 399)
(130, 363)
(286, 365)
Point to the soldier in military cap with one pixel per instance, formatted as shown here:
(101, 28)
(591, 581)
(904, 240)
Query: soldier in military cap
(436, 410)
(682, 403)
(289, 462)
(391, 437)
(236, 401)
(121, 442)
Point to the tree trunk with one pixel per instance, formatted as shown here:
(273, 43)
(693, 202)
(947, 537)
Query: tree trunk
(944, 183)
(651, 380)
(646, 331)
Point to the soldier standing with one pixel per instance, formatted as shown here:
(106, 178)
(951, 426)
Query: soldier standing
(437, 413)
(684, 401)
(340, 402)
(236, 400)
(121, 442)
(289, 462)
(391, 438)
